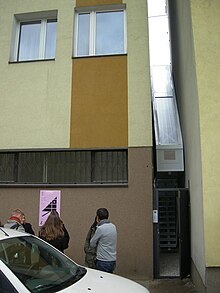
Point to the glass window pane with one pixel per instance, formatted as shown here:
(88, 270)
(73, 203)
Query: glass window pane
(83, 34)
(6, 285)
(39, 266)
(167, 121)
(29, 41)
(110, 32)
(50, 39)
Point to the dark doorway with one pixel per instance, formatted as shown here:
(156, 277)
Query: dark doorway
(171, 233)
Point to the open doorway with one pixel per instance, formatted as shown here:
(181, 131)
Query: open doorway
(171, 233)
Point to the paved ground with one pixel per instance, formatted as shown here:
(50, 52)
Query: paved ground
(169, 286)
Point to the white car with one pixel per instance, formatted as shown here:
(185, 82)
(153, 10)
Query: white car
(29, 264)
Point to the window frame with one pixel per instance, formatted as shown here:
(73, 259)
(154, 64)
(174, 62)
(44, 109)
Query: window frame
(27, 18)
(92, 11)
(87, 168)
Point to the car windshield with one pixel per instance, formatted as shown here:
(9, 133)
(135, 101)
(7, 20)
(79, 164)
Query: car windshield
(40, 267)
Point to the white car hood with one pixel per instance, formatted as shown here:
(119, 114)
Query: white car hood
(98, 282)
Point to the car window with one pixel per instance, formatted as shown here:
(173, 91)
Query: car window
(39, 266)
(5, 285)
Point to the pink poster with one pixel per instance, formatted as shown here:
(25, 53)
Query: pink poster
(49, 200)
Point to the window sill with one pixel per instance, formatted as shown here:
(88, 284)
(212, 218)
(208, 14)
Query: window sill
(98, 56)
(31, 61)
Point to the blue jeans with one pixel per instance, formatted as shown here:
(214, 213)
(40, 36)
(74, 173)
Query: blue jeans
(105, 266)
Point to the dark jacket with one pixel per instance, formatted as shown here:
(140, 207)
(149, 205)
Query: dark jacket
(90, 252)
(28, 228)
(60, 243)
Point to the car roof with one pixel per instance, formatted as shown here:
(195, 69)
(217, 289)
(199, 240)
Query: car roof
(10, 233)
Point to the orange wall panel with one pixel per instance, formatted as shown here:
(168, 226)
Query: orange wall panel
(96, 2)
(99, 114)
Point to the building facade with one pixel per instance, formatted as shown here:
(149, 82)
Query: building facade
(195, 41)
(76, 116)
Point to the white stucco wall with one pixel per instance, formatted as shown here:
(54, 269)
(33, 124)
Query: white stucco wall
(139, 99)
(35, 96)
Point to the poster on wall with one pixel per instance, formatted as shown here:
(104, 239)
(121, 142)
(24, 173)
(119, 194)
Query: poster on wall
(49, 201)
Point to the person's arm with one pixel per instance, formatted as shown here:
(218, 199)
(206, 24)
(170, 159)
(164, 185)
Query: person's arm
(66, 238)
(28, 228)
(95, 239)
(87, 241)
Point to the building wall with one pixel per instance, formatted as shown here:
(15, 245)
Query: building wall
(41, 107)
(96, 2)
(187, 96)
(139, 94)
(99, 102)
(35, 97)
(45, 119)
(195, 39)
(130, 209)
(206, 23)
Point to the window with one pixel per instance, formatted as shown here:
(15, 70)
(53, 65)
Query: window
(37, 40)
(5, 284)
(64, 167)
(100, 32)
(34, 37)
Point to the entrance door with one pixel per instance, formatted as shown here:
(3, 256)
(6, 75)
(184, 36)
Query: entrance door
(171, 233)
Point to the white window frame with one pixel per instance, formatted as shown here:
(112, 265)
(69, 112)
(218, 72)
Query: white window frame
(19, 19)
(92, 36)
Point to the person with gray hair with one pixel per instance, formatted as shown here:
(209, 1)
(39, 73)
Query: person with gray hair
(105, 239)
(16, 220)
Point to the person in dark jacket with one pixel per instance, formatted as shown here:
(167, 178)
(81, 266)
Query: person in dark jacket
(27, 227)
(54, 232)
(90, 252)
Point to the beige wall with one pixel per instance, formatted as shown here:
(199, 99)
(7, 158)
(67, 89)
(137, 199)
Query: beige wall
(35, 97)
(206, 24)
(130, 209)
(187, 97)
(195, 26)
(139, 99)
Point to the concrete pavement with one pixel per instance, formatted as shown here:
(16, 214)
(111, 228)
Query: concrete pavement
(169, 286)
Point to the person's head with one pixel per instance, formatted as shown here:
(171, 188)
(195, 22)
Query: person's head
(18, 214)
(53, 219)
(53, 227)
(102, 214)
